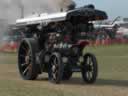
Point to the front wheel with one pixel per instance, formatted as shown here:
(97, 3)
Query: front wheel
(56, 68)
(89, 68)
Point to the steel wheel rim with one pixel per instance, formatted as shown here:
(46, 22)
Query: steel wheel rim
(25, 62)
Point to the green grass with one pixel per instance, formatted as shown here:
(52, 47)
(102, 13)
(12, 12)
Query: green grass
(113, 70)
(8, 58)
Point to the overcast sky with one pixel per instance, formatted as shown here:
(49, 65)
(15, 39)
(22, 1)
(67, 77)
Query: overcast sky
(114, 8)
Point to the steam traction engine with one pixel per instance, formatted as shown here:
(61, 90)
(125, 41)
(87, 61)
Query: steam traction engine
(57, 43)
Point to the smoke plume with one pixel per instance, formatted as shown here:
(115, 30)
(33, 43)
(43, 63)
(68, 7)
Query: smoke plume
(13, 9)
(10, 10)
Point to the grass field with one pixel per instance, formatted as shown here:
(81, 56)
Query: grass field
(112, 79)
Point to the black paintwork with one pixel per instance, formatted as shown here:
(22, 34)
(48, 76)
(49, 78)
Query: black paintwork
(89, 13)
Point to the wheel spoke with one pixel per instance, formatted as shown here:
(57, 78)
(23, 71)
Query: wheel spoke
(29, 53)
(87, 75)
(90, 75)
(89, 61)
(24, 64)
(53, 68)
(25, 71)
(54, 76)
(55, 61)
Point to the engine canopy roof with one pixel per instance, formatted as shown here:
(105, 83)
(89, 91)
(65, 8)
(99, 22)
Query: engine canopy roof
(91, 14)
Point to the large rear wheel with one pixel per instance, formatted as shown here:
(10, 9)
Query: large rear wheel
(27, 59)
